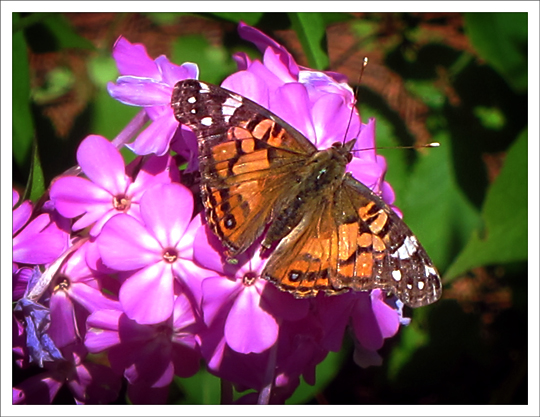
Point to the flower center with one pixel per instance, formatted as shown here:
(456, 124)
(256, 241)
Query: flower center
(63, 284)
(121, 203)
(165, 331)
(170, 255)
(249, 278)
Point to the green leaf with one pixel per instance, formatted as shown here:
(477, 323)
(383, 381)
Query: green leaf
(163, 18)
(427, 92)
(412, 338)
(214, 62)
(102, 70)
(434, 206)
(36, 181)
(490, 117)
(249, 18)
(23, 123)
(59, 81)
(311, 30)
(64, 34)
(203, 388)
(501, 39)
(326, 371)
(504, 236)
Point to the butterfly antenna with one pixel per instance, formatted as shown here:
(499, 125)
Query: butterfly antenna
(364, 64)
(427, 145)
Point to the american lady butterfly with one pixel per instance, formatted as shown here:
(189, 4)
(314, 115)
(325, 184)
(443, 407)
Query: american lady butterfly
(332, 232)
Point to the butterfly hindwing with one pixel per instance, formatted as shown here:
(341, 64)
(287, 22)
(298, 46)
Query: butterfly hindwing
(304, 260)
(357, 242)
(388, 255)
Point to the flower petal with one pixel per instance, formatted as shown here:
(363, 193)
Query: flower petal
(334, 121)
(387, 318)
(21, 215)
(73, 196)
(218, 293)
(103, 164)
(63, 327)
(157, 136)
(167, 210)
(172, 73)
(125, 244)
(249, 329)
(291, 103)
(39, 389)
(140, 91)
(147, 296)
(102, 330)
(366, 328)
(36, 244)
(249, 85)
(132, 58)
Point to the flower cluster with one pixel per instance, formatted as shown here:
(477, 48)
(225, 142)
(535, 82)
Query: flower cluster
(118, 276)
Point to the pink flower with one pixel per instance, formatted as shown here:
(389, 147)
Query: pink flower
(148, 355)
(149, 84)
(156, 248)
(320, 105)
(236, 293)
(39, 241)
(108, 189)
(75, 293)
(90, 383)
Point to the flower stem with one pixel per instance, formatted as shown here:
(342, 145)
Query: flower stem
(266, 392)
(131, 129)
(226, 396)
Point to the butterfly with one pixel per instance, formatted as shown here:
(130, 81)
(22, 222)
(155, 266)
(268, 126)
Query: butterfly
(328, 231)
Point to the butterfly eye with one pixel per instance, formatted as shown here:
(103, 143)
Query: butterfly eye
(349, 157)
(337, 145)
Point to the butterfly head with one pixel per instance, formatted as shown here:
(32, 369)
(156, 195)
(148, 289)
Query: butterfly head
(345, 149)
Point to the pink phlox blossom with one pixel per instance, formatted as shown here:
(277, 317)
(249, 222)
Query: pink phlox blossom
(36, 241)
(149, 84)
(148, 355)
(108, 189)
(320, 105)
(157, 250)
(89, 382)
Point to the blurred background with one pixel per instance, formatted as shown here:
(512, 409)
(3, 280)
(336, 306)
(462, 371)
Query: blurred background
(459, 79)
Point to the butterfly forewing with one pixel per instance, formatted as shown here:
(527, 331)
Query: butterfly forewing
(256, 170)
(246, 156)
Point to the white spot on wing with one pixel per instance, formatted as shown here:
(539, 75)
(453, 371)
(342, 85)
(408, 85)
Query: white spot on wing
(206, 121)
(430, 270)
(204, 88)
(407, 249)
(229, 107)
(420, 285)
(396, 274)
(191, 100)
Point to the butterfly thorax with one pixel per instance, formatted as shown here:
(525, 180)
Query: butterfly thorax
(315, 183)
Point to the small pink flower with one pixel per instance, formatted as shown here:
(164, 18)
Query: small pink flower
(149, 84)
(156, 248)
(108, 189)
(148, 355)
